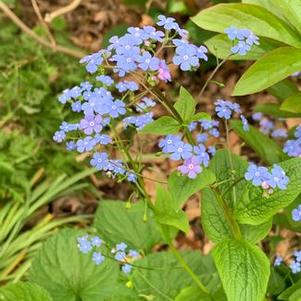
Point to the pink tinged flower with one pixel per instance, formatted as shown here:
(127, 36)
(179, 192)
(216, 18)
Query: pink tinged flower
(191, 167)
(163, 71)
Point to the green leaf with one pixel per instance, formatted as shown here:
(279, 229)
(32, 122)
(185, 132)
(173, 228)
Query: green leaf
(253, 17)
(275, 110)
(288, 10)
(257, 209)
(162, 277)
(162, 126)
(292, 103)
(276, 283)
(116, 223)
(269, 70)
(293, 293)
(185, 105)
(24, 291)
(220, 46)
(181, 187)
(69, 275)
(213, 217)
(265, 147)
(243, 268)
(200, 116)
(167, 213)
(192, 293)
(283, 89)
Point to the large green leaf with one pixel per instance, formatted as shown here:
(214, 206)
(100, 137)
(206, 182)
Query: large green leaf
(293, 293)
(181, 187)
(24, 291)
(292, 103)
(268, 70)
(162, 126)
(185, 105)
(220, 46)
(275, 110)
(283, 89)
(289, 10)
(213, 217)
(256, 209)
(256, 18)
(265, 147)
(161, 278)
(167, 212)
(69, 275)
(116, 223)
(243, 268)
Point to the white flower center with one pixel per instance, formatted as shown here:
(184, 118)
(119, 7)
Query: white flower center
(180, 149)
(257, 174)
(128, 59)
(190, 166)
(147, 60)
(169, 141)
(92, 123)
(114, 107)
(185, 57)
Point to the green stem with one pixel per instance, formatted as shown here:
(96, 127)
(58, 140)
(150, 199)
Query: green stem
(228, 213)
(189, 270)
(231, 162)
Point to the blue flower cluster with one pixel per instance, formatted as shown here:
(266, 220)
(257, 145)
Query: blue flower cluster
(268, 180)
(225, 109)
(110, 98)
(87, 244)
(296, 214)
(244, 39)
(296, 263)
(293, 147)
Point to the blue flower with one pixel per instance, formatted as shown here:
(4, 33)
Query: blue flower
(241, 48)
(120, 256)
(131, 177)
(117, 108)
(257, 116)
(91, 124)
(98, 258)
(278, 261)
(92, 61)
(117, 167)
(127, 85)
(225, 108)
(296, 214)
(186, 57)
(279, 133)
(102, 139)
(148, 62)
(169, 142)
(256, 174)
(105, 79)
(208, 124)
(96, 241)
(266, 126)
(121, 247)
(133, 253)
(70, 145)
(214, 132)
(100, 161)
(126, 268)
(278, 178)
(295, 266)
(201, 154)
(76, 106)
(85, 144)
(181, 150)
(297, 254)
(59, 136)
(245, 124)
(201, 138)
(293, 148)
(211, 150)
(145, 104)
(86, 86)
(84, 244)
(151, 33)
(167, 23)
(65, 96)
(232, 32)
(191, 167)
(298, 131)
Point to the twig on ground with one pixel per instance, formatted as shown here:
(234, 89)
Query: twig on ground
(10, 14)
(63, 10)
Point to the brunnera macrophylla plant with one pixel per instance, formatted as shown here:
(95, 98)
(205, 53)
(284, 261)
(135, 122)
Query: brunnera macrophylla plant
(114, 260)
